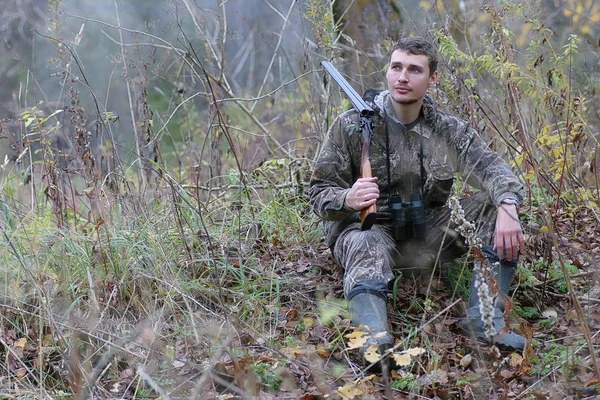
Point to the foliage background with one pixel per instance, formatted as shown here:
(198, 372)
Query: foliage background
(155, 156)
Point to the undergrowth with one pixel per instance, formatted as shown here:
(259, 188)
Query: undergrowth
(167, 249)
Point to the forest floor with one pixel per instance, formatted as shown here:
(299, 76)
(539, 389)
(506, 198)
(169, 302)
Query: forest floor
(556, 364)
(286, 331)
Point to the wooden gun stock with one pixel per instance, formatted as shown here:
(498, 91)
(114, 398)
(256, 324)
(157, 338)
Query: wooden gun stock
(367, 215)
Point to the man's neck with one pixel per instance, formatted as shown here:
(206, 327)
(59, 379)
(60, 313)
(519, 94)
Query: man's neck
(407, 113)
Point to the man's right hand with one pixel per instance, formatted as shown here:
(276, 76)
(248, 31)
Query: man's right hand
(364, 193)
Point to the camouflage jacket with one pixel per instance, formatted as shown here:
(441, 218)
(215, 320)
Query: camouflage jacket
(449, 145)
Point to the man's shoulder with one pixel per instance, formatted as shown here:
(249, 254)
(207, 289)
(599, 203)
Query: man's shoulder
(348, 118)
(437, 118)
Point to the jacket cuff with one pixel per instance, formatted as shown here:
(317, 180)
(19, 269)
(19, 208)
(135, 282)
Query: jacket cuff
(508, 198)
(339, 203)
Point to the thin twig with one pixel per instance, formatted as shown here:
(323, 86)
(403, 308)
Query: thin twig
(132, 113)
(275, 51)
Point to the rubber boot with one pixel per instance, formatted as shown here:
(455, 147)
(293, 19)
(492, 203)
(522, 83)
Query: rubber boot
(370, 310)
(508, 341)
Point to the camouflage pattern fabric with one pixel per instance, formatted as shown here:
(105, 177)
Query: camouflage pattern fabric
(450, 146)
(374, 254)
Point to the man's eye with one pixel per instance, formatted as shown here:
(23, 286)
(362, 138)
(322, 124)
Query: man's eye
(415, 70)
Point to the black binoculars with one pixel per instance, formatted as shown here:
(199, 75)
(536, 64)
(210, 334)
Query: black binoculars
(408, 218)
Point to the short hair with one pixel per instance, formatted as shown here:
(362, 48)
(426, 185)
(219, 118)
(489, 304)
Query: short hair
(418, 47)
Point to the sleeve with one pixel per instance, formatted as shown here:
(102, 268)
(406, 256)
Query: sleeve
(333, 175)
(484, 169)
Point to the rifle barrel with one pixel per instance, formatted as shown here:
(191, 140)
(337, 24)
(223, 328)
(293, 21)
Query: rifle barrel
(361, 106)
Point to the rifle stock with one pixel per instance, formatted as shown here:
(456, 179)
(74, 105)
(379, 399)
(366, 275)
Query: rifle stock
(367, 215)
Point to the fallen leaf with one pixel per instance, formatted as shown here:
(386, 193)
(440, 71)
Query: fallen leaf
(592, 381)
(402, 359)
(506, 373)
(309, 322)
(126, 373)
(323, 352)
(371, 354)
(349, 391)
(515, 361)
(416, 351)
(550, 314)
(20, 343)
(357, 339)
(466, 361)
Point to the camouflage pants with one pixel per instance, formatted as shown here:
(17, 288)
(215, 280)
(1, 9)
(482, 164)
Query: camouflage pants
(373, 255)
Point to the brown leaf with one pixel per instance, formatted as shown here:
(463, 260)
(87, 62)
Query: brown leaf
(304, 265)
(515, 361)
(126, 373)
(592, 381)
(466, 361)
(506, 373)
(20, 343)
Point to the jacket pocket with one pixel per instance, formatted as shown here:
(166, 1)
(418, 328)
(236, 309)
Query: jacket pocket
(439, 184)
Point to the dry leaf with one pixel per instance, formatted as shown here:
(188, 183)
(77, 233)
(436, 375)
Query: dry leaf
(349, 391)
(126, 373)
(506, 373)
(417, 351)
(309, 322)
(323, 352)
(402, 359)
(592, 381)
(516, 360)
(371, 354)
(20, 343)
(357, 339)
(550, 314)
(466, 361)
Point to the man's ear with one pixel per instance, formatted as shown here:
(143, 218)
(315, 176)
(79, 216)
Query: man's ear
(433, 79)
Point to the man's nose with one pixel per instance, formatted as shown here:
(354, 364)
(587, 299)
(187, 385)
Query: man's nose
(403, 77)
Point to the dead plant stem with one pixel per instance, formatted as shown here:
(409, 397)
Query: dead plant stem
(131, 111)
(275, 51)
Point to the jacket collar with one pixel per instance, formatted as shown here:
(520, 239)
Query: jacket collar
(383, 108)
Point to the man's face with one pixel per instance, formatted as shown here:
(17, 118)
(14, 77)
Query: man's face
(408, 77)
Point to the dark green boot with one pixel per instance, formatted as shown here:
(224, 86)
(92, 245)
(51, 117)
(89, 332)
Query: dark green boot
(370, 310)
(472, 324)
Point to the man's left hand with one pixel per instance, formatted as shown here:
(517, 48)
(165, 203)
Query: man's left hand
(509, 235)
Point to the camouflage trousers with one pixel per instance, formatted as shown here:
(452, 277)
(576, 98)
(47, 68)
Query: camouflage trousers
(373, 255)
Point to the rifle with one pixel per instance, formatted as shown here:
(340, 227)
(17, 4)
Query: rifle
(367, 215)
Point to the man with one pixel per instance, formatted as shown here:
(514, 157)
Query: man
(416, 150)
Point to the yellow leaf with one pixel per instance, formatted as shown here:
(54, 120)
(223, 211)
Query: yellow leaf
(402, 359)
(349, 391)
(417, 351)
(356, 334)
(515, 360)
(309, 322)
(20, 343)
(371, 354)
(323, 352)
(530, 174)
(544, 229)
(357, 339)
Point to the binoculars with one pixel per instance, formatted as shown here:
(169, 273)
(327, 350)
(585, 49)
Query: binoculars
(408, 218)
